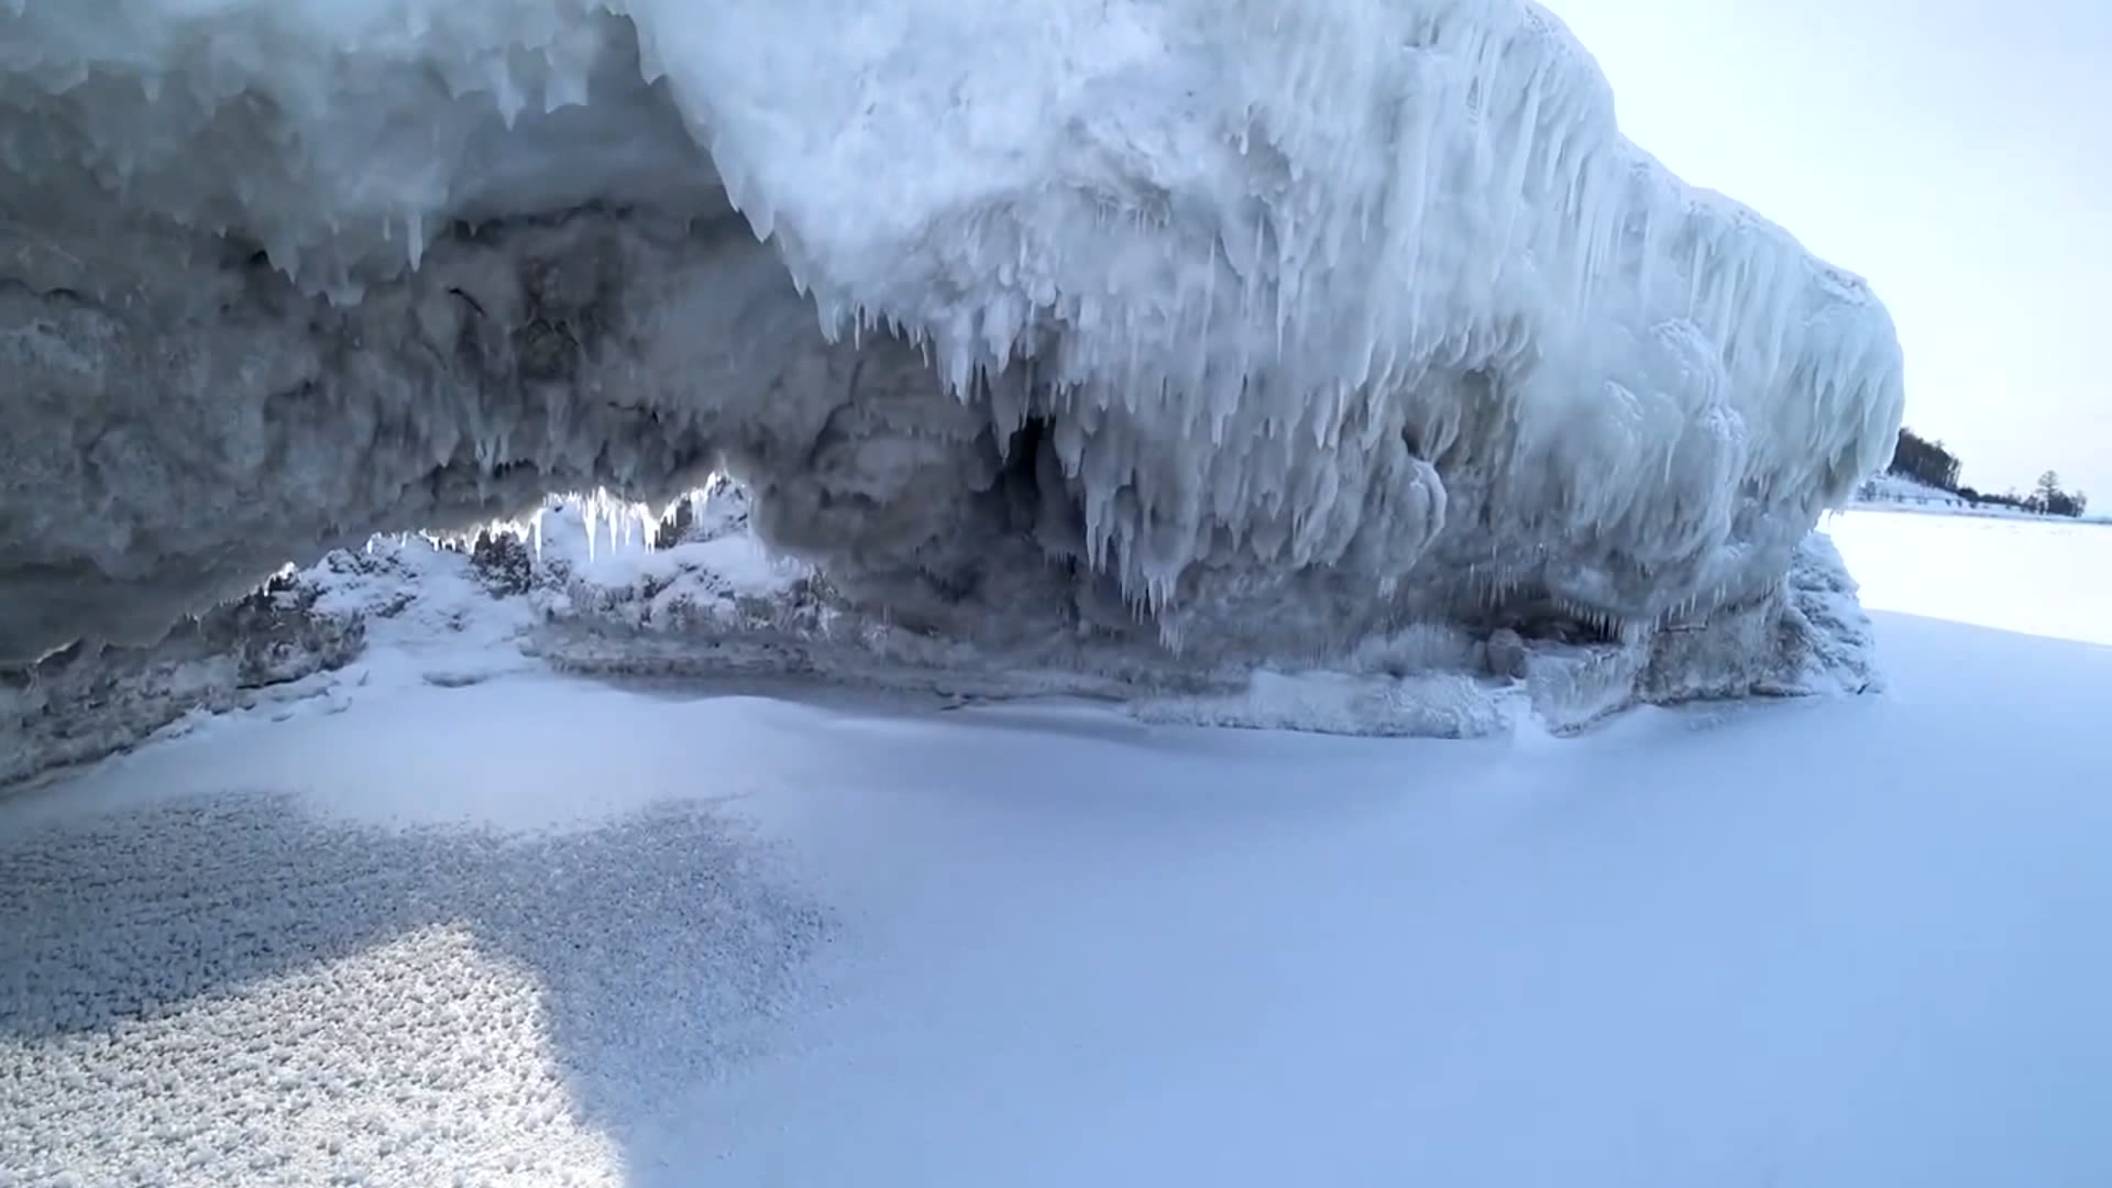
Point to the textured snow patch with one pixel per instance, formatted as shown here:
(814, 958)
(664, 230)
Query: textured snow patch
(227, 990)
(422, 1049)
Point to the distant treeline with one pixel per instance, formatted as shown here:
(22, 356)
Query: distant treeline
(1926, 462)
(1930, 464)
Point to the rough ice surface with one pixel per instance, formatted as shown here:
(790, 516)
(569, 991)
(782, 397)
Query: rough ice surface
(592, 586)
(1254, 331)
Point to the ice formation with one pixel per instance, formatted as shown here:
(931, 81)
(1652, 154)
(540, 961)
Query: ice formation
(697, 594)
(1251, 328)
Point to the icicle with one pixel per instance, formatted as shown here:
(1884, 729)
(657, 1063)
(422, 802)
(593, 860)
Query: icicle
(416, 228)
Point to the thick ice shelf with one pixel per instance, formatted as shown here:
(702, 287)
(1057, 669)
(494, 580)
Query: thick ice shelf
(1273, 325)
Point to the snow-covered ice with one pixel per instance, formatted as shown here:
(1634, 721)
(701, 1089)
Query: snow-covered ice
(1256, 328)
(2036, 576)
(544, 929)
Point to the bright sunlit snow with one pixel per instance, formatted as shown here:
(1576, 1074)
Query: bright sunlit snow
(543, 929)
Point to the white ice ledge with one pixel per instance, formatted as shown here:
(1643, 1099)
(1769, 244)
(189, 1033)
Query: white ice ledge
(1277, 324)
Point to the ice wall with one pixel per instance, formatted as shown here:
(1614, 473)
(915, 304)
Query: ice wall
(1250, 327)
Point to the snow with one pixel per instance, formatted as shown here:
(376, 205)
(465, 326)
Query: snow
(2031, 575)
(547, 929)
(1259, 329)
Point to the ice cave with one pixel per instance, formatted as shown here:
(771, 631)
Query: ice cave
(1165, 345)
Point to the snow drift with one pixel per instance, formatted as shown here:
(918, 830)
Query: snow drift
(1256, 329)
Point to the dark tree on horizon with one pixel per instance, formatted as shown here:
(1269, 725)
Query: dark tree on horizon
(1926, 462)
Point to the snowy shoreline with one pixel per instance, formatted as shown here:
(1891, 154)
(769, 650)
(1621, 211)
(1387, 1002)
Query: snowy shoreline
(1988, 513)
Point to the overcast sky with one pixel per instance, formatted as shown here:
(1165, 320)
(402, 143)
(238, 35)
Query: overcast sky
(1955, 152)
